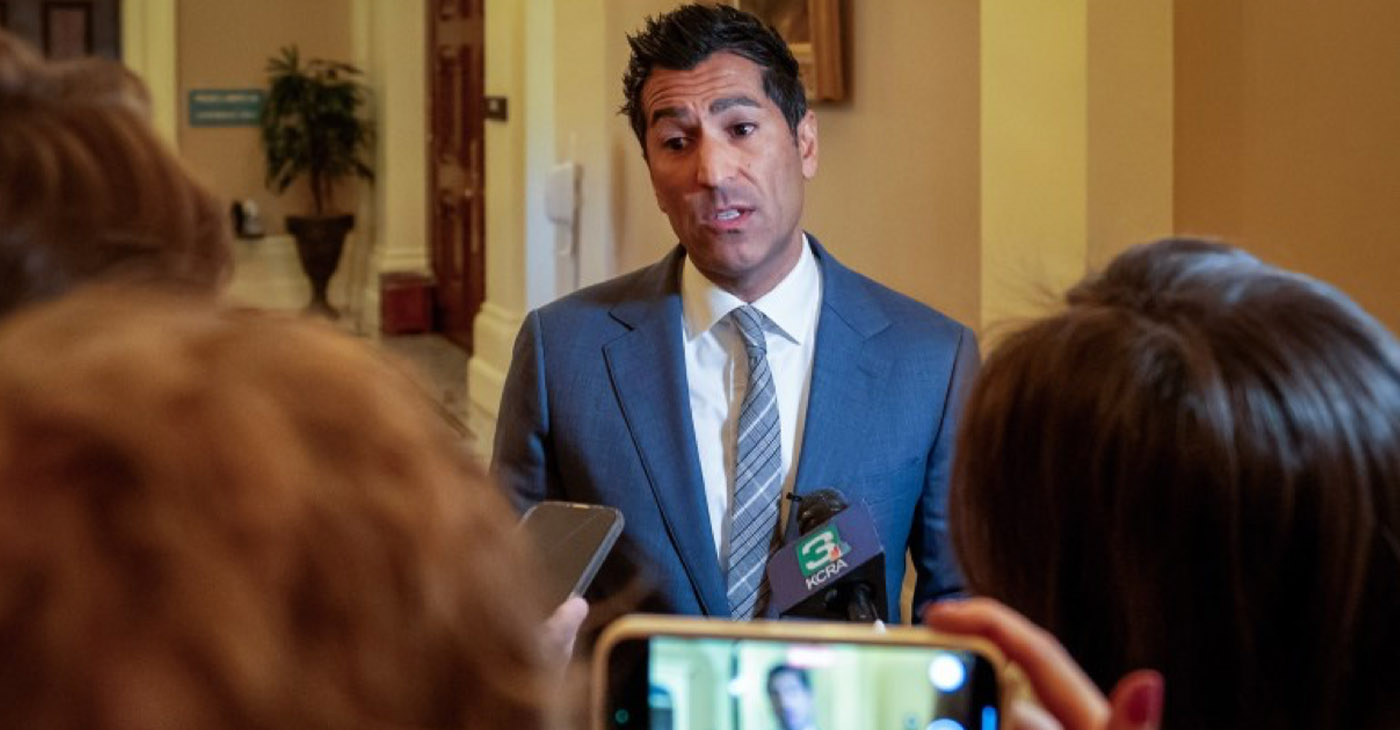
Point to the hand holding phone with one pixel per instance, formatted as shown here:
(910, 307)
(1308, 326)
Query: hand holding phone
(1057, 685)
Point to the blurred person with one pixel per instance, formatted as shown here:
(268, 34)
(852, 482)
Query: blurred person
(236, 519)
(790, 695)
(88, 191)
(1195, 468)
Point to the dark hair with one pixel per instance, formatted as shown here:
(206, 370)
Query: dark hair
(801, 674)
(683, 38)
(1196, 467)
(87, 189)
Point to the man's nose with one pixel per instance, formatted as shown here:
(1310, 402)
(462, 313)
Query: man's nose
(715, 163)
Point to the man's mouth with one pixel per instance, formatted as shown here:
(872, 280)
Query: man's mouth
(729, 218)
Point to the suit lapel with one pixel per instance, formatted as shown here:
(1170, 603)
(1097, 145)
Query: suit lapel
(846, 374)
(647, 368)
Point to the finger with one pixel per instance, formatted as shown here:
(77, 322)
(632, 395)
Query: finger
(571, 612)
(561, 628)
(1059, 683)
(1029, 716)
(1136, 701)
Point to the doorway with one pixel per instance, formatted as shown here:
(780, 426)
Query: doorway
(63, 29)
(456, 170)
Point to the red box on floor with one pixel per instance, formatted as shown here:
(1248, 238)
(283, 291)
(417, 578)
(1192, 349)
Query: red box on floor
(405, 302)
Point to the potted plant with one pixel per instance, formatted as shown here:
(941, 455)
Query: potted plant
(312, 127)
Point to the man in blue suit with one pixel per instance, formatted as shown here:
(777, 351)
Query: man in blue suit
(746, 365)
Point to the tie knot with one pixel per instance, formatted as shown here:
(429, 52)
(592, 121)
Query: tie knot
(750, 324)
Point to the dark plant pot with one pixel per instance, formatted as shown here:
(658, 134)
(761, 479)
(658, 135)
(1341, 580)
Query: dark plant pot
(320, 241)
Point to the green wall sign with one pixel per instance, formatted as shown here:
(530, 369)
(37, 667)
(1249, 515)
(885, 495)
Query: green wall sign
(225, 107)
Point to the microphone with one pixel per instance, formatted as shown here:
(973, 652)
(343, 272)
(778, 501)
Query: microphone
(835, 571)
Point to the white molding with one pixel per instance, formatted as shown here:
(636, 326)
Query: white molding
(493, 344)
(400, 259)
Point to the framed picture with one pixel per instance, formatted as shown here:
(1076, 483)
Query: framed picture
(813, 30)
(67, 29)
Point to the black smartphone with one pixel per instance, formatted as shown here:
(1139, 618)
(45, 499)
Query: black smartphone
(664, 672)
(570, 541)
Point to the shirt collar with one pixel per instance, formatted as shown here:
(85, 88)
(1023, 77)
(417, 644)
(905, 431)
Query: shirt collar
(792, 305)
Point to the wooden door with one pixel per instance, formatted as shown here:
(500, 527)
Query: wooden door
(456, 170)
(66, 28)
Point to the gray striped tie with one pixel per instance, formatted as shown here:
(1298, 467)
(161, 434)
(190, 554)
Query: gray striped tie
(754, 512)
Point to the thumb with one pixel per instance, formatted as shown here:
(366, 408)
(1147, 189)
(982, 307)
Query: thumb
(1136, 701)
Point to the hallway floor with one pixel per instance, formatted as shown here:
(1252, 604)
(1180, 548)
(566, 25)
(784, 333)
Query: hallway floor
(266, 275)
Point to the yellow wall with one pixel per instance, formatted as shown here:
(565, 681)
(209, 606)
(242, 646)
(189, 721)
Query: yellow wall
(1288, 136)
(991, 152)
(148, 48)
(505, 154)
(1034, 151)
(897, 193)
(643, 234)
(1076, 145)
(1129, 172)
(585, 113)
(222, 45)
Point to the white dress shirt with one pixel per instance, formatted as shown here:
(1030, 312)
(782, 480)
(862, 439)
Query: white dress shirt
(717, 371)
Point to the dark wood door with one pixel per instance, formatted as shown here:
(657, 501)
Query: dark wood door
(66, 28)
(457, 169)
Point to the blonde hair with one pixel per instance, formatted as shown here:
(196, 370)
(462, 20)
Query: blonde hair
(88, 191)
(234, 519)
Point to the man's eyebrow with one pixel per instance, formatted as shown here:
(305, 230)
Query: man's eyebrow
(669, 112)
(719, 105)
(716, 106)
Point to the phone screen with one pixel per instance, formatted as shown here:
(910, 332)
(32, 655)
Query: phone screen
(689, 683)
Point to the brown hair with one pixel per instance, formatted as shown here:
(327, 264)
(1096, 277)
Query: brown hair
(87, 190)
(233, 519)
(1195, 467)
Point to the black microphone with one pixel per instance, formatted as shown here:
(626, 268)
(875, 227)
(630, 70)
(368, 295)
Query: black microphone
(835, 570)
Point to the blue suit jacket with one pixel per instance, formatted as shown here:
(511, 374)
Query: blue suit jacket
(596, 410)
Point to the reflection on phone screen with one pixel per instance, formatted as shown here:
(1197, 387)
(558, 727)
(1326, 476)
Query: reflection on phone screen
(749, 684)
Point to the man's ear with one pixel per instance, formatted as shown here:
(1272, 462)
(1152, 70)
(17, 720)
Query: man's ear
(807, 144)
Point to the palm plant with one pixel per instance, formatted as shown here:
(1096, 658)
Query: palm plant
(311, 125)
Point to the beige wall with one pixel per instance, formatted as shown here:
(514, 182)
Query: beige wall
(992, 152)
(1130, 97)
(643, 233)
(585, 113)
(223, 45)
(1034, 150)
(896, 196)
(148, 48)
(505, 155)
(1288, 136)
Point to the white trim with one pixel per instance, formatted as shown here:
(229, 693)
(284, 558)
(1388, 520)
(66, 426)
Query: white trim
(493, 344)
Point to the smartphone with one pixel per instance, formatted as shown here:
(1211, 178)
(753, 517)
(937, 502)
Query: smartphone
(664, 672)
(570, 541)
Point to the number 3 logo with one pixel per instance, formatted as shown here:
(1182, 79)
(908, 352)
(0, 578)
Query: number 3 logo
(819, 550)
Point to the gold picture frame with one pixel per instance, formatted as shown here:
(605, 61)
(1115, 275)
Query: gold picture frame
(813, 31)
